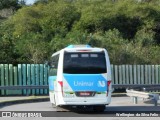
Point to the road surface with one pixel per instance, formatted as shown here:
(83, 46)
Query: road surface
(121, 107)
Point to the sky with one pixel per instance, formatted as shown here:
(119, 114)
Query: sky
(30, 2)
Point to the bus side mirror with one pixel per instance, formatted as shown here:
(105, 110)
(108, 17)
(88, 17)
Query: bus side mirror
(46, 63)
(52, 66)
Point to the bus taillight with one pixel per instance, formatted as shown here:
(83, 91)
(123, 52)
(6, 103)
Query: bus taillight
(61, 84)
(108, 85)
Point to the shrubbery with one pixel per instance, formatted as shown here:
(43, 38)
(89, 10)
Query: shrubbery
(128, 29)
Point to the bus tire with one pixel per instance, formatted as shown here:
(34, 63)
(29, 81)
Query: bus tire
(99, 108)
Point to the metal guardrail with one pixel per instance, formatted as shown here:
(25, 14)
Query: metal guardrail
(27, 88)
(134, 93)
(133, 90)
(142, 94)
(137, 86)
(143, 87)
(24, 87)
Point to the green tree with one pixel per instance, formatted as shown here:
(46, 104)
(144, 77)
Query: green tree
(128, 29)
(32, 49)
(9, 4)
(7, 44)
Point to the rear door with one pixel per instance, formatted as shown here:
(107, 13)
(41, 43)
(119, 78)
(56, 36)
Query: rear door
(85, 74)
(85, 85)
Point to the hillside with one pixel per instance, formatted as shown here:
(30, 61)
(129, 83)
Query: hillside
(128, 29)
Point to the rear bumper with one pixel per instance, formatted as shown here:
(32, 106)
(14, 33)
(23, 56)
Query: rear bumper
(80, 103)
(96, 100)
(86, 101)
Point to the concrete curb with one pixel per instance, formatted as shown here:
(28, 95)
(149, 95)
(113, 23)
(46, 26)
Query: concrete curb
(28, 100)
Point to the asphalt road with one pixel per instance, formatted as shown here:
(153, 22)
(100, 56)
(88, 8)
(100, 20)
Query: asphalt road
(121, 107)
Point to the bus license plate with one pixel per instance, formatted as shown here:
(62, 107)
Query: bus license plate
(84, 94)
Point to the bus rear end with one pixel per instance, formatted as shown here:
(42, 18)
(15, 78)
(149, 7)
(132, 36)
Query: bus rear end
(86, 77)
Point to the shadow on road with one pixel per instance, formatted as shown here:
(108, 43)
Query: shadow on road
(113, 111)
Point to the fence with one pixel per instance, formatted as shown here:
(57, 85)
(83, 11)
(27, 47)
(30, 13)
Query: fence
(136, 74)
(23, 74)
(37, 74)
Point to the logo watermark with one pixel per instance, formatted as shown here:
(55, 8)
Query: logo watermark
(21, 114)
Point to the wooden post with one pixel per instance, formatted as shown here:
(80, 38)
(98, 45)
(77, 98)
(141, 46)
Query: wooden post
(2, 78)
(10, 79)
(37, 77)
(28, 78)
(45, 78)
(41, 77)
(33, 77)
(6, 78)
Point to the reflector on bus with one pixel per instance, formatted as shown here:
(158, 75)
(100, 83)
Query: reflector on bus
(79, 46)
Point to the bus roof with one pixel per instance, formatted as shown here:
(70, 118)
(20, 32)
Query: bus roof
(79, 48)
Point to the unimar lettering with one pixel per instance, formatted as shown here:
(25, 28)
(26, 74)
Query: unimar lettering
(83, 83)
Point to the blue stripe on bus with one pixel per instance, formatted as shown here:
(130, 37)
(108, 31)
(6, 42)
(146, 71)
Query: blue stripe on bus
(86, 82)
(51, 80)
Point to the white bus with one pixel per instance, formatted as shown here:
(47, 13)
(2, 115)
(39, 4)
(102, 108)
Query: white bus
(80, 76)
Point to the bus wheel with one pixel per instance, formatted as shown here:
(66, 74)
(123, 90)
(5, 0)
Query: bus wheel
(99, 108)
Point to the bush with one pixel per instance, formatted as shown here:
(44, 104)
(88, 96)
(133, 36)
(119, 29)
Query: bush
(128, 29)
